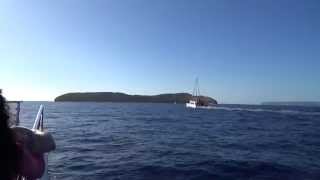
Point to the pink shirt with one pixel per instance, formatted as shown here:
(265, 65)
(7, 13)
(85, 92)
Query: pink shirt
(32, 165)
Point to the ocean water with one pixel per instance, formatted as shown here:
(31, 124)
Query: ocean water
(165, 141)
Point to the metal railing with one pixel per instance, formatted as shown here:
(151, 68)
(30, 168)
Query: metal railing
(38, 123)
(17, 114)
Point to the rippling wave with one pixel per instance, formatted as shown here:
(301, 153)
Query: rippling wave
(264, 110)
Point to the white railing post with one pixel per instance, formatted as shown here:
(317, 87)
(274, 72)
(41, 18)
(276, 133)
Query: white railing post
(38, 123)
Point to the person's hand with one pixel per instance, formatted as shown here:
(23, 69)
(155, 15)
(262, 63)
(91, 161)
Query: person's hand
(44, 142)
(35, 141)
(24, 137)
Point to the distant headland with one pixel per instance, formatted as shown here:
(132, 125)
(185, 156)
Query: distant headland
(122, 97)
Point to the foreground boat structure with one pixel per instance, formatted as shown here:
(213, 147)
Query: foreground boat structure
(38, 126)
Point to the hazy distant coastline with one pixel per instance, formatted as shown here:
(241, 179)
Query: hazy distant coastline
(122, 97)
(292, 103)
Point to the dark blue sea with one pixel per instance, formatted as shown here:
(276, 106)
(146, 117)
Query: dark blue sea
(165, 141)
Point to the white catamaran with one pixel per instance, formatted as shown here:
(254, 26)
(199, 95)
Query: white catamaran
(38, 128)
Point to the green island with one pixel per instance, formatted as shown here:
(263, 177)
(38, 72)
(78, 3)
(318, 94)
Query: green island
(122, 97)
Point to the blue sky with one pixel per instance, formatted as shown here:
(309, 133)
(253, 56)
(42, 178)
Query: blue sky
(242, 51)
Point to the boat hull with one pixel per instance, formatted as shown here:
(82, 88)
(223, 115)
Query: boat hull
(191, 105)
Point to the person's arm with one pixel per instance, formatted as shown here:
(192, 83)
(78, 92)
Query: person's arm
(36, 141)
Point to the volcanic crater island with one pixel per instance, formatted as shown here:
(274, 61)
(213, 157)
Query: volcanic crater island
(122, 97)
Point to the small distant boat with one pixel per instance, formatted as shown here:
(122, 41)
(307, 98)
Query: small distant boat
(196, 101)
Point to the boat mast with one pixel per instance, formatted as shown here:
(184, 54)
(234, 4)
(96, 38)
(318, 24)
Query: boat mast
(196, 90)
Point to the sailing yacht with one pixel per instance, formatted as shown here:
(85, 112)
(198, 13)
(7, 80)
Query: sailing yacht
(196, 101)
